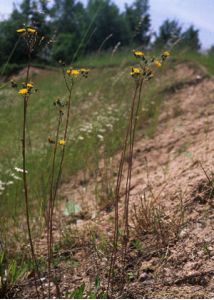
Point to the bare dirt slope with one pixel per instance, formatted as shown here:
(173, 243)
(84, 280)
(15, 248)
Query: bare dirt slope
(179, 168)
(174, 171)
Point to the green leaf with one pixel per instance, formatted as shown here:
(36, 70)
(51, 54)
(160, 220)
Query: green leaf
(92, 295)
(97, 282)
(71, 208)
(187, 154)
(78, 292)
(1, 257)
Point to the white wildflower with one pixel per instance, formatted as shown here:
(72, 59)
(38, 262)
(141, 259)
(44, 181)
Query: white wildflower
(15, 177)
(109, 126)
(100, 137)
(102, 130)
(83, 129)
(20, 170)
(9, 183)
(80, 138)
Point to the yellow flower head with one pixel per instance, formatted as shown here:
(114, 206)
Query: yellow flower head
(84, 72)
(157, 63)
(73, 72)
(31, 30)
(23, 91)
(166, 53)
(29, 85)
(138, 53)
(21, 30)
(61, 142)
(135, 71)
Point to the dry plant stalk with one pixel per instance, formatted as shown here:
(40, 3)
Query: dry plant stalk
(140, 74)
(150, 218)
(30, 36)
(69, 78)
(51, 202)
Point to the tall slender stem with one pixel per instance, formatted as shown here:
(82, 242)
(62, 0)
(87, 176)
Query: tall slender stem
(53, 190)
(117, 192)
(69, 88)
(51, 206)
(129, 175)
(25, 105)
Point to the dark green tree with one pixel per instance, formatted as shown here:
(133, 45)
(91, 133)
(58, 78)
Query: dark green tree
(190, 39)
(108, 27)
(139, 22)
(28, 13)
(8, 38)
(69, 22)
(26, 10)
(69, 16)
(169, 32)
(65, 47)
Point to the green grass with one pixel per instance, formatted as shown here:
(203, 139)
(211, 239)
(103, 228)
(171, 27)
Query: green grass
(113, 58)
(124, 57)
(98, 120)
(103, 90)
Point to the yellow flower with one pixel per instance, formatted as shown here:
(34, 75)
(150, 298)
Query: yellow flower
(135, 71)
(29, 85)
(61, 142)
(157, 63)
(73, 72)
(31, 30)
(23, 91)
(166, 53)
(84, 72)
(138, 53)
(21, 30)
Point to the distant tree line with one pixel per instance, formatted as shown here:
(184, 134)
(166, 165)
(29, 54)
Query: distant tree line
(76, 30)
